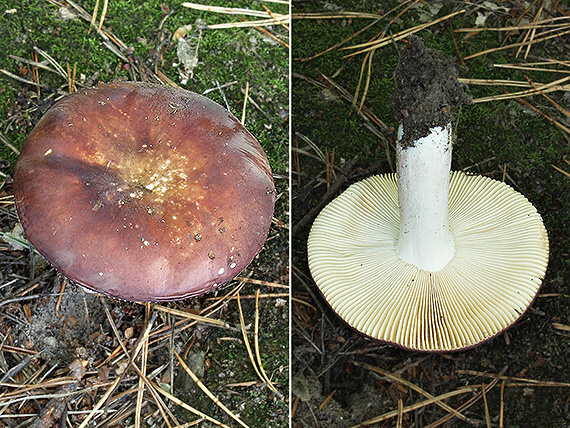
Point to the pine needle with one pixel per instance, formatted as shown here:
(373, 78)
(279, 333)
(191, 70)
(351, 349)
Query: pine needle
(246, 340)
(260, 23)
(514, 45)
(186, 406)
(416, 406)
(557, 85)
(256, 343)
(248, 347)
(261, 282)
(191, 316)
(515, 379)
(93, 17)
(227, 10)
(487, 414)
(529, 68)
(245, 103)
(410, 385)
(207, 391)
(103, 15)
(567, 174)
(144, 359)
(365, 47)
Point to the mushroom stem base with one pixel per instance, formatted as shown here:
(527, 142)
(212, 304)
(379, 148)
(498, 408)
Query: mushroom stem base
(423, 188)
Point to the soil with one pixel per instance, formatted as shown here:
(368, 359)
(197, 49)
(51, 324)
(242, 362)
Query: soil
(427, 90)
(69, 330)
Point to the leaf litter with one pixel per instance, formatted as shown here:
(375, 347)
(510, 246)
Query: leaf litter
(71, 355)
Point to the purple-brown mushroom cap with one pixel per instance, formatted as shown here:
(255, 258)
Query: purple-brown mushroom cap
(144, 192)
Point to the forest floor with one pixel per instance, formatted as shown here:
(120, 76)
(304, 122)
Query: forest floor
(68, 357)
(520, 378)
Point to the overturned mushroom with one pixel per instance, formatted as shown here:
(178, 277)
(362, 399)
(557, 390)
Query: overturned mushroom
(144, 192)
(425, 259)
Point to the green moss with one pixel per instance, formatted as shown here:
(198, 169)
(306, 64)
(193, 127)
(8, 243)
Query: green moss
(235, 54)
(504, 131)
(257, 407)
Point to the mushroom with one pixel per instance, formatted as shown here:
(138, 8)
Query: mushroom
(426, 259)
(144, 192)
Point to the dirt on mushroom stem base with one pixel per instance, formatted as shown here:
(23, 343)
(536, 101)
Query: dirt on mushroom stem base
(427, 90)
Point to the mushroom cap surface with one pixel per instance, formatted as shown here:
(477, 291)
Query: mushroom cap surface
(501, 254)
(144, 192)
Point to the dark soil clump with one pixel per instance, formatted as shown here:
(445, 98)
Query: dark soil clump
(427, 90)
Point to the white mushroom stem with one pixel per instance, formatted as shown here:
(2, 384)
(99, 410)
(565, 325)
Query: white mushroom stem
(423, 189)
